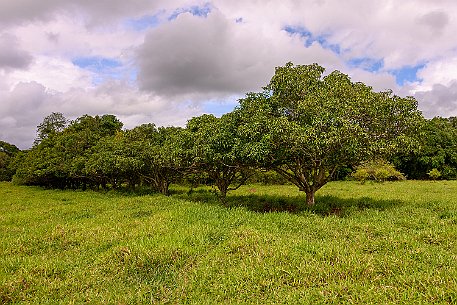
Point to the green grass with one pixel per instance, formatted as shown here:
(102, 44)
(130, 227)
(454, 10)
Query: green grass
(362, 244)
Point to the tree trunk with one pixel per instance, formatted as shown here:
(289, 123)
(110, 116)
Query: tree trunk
(222, 185)
(310, 198)
(163, 187)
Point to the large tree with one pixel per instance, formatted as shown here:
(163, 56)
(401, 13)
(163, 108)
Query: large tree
(305, 125)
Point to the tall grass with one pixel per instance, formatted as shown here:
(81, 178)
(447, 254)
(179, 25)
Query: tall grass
(361, 244)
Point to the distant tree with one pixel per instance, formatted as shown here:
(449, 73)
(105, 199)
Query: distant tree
(437, 150)
(7, 148)
(165, 158)
(306, 126)
(218, 150)
(59, 159)
(112, 161)
(7, 154)
(145, 153)
(55, 122)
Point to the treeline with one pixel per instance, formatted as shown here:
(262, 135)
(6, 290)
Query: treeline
(436, 152)
(305, 127)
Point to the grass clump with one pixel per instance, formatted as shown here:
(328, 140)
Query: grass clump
(390, 243)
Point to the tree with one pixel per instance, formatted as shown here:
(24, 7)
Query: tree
(218, 150)
(160, 152)
(59, 159)
(7, 154)
(113, 161)
(437, 150)
(305, 125)
(53, 123)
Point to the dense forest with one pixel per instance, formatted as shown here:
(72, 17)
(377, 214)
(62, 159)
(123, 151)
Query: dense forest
(304, 128)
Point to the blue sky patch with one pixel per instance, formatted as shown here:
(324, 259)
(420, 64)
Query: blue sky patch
(200, 11)
(219, 108)
(407, 74)
(366, 63)
(310, 38)
(104, 69)
(96, 63)
(143, 23)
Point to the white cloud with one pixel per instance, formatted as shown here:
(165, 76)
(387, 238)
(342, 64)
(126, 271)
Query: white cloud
(187, 62)
(54, 73)
(28, 103)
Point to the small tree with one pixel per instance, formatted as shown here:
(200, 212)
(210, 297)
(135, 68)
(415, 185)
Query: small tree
(160, 153)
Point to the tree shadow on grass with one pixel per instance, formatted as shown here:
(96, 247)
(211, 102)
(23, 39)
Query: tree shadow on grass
(325, 205)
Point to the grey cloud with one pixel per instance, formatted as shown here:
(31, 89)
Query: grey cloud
(11, 56)
(215, 57)
(24, 107)
(21, 111)
(25, 98)
(436, 21)
(21, 10)
(189, 55)
(99, 11)
(440, 101)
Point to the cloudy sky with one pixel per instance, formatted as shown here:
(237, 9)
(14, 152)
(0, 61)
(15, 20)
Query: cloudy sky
(165, 61)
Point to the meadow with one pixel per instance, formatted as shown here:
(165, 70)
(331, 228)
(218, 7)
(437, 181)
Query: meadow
(389, 243)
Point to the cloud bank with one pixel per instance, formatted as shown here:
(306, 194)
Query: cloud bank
(166, 61)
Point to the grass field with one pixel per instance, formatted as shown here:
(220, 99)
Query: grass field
(391, 243)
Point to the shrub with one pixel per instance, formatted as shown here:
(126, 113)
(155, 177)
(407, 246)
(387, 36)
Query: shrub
(434, 174)
(377, 170)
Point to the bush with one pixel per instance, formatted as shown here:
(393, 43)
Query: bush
(377, 170)
(434, 174)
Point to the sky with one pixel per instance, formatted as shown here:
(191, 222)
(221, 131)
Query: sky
(166, 61)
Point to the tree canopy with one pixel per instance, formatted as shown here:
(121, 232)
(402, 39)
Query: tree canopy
(7, 153)
(217, 150)
(305, 125)
(55, 122)
(437, 150)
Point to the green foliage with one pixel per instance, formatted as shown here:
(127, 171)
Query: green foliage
(306, 125)
(53, 123)
(162, 153)
(391, 243)
(7, 155)
(59, 158)
(434, 174)
(438, 149)
(377, 170)
(267, 177)
(217, 150)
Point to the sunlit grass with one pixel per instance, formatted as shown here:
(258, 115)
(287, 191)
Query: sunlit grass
(364, 244)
